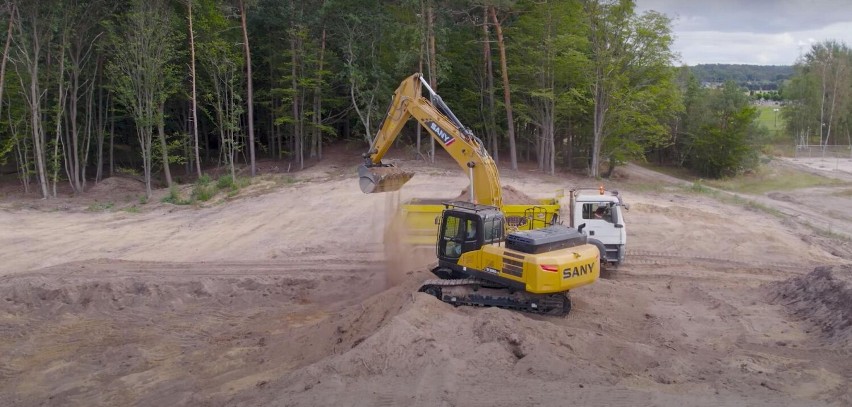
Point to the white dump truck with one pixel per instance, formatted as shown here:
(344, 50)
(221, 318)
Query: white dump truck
(599, 214)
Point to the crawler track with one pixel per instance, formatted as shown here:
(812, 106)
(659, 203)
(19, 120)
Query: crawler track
(481, 293)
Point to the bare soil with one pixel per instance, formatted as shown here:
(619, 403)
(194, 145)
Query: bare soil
(279, 297)
(510, 195)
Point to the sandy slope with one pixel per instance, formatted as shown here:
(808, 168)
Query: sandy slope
(279, 299)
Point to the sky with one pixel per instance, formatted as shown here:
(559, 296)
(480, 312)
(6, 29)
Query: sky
(757, 32)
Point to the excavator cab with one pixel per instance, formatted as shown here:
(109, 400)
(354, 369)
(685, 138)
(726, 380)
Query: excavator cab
(466, 227)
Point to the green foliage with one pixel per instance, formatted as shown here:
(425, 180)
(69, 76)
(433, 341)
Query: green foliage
(133, 172)
(100, 206)
(719, 136)
(205, 189)
(142, 72)
(203, 192)
(225, 182)
(746, 76)
(327, 69)
(174, 197)
(698, 186)
(819, 108)
(633, 92)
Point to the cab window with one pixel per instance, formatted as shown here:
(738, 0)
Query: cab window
(493, 228)
(597, 211)
(452, 231)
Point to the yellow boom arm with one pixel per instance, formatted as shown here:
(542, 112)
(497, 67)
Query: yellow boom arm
(440, 122)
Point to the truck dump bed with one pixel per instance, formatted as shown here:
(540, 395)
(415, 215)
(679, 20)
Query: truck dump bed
(416, 224)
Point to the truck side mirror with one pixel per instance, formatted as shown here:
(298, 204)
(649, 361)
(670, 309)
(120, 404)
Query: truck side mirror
(581, 227)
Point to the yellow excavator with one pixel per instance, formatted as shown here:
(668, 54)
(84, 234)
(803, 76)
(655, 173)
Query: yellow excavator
(479, 263)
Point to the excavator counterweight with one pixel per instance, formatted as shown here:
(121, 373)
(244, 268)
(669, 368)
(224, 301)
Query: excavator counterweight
(382, 178)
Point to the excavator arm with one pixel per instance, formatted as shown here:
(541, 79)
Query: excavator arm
(440, 122)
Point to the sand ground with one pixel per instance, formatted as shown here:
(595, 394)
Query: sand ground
(279, 297)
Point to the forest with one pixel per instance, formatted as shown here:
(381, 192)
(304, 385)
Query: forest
(156, 88)
(752, 77)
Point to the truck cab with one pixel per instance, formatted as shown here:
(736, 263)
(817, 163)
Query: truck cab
(600, 216)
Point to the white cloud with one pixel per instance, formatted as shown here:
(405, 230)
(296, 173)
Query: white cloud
(752, 32)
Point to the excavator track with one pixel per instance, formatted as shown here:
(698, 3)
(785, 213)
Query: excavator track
(481, 293)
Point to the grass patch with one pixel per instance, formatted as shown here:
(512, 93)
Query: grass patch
(203, 193)
(699, 187)
(131, 209)
(649, 187)
(769, 118)
(174, 197)
(226, 182)
(205, 189)
(767, 179)
(100, 207)
(285, 180)
(670, 170)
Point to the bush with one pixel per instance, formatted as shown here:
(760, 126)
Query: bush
(225, 182)
(174, 197)
(203, 192)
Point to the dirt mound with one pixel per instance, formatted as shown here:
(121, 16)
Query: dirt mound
(822, 297)
(116, 186)
(50, 296)
(511, 196)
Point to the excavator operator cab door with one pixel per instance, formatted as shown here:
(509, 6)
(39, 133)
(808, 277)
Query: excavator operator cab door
(460, 232)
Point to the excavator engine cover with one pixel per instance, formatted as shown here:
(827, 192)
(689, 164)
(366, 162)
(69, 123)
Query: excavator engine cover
(382, 178)
(545, 240)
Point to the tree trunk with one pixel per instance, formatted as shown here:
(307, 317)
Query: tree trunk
(433, 63)
(598, 124)
(33, 99)
(161, 130)
(510, 121)
(298, 137)
(6, 53)
(316, 146)
(73, 156)
(420, 58)
(490, 119)
(111, 142)
(194, 92)
(60, 109)
(102, 106)
(250, 93)
(90, 115)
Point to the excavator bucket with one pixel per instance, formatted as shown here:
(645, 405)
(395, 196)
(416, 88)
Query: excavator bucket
(385, 178)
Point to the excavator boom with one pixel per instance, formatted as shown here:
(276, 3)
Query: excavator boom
(440, 122)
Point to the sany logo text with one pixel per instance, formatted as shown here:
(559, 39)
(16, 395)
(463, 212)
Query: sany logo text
(445, 138)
